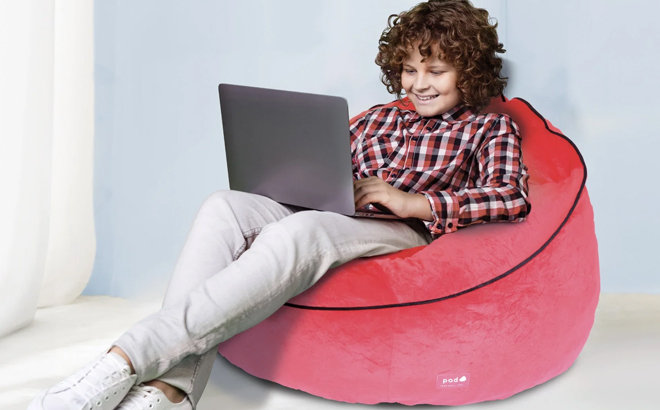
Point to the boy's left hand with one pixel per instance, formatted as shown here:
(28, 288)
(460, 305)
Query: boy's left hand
(376, 190)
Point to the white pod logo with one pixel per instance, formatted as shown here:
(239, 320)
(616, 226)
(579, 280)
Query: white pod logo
(454, 381)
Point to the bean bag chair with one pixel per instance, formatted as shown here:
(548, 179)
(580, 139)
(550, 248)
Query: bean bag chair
(479, 314)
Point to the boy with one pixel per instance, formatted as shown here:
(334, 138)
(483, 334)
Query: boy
(437, 160)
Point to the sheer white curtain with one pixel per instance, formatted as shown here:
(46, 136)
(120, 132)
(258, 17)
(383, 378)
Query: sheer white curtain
(47, 240)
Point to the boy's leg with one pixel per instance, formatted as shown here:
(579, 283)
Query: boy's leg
(225, 226)
(287, 257)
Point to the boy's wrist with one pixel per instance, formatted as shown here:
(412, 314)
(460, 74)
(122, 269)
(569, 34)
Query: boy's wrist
(420, 207)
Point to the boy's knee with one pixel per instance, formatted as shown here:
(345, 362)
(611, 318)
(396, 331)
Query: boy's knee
(214, 196)
(224, 196)
(219, 202)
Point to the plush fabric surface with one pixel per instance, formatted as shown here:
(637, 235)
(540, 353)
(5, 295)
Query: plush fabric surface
(479, 314)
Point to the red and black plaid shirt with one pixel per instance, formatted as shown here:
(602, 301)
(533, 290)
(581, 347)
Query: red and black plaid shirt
(468, 166)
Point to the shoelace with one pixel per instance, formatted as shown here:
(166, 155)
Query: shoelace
(97, 380)
(138, 396)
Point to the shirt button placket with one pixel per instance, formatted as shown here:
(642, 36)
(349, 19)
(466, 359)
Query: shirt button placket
(413, 141)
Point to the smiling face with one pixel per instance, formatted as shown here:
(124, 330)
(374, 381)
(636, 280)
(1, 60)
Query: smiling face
(430, 85)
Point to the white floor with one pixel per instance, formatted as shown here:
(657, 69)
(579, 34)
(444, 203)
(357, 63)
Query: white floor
(618, 368)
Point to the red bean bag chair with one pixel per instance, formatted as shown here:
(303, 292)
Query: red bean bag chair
(479, 314)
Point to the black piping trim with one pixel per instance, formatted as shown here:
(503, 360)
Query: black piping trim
(495, 279)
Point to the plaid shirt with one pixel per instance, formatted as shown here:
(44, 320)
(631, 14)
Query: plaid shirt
(468, 166)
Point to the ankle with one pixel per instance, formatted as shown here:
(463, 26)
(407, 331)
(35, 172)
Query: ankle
(121, 353)
(173, 394)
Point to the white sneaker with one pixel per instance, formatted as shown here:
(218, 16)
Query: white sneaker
(100, 385)
(143, 397)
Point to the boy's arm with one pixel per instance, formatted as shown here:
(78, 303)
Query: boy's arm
(421, 208)
(356, 129)
(501, 194)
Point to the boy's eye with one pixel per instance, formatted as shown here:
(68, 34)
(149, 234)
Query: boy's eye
(409, 71)
(437, 72)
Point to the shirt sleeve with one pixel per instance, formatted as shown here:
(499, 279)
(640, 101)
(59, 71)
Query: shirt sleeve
(501, 191)
(356, 130)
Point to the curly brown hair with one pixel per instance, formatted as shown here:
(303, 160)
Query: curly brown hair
(461, 35)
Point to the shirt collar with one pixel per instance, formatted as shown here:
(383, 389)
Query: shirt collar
(459, 112)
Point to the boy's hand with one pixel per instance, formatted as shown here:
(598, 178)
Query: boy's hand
(375, 190)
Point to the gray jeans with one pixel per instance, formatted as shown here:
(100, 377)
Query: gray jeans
(244, 257)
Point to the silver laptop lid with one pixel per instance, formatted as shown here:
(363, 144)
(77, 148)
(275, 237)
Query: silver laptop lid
(289, 146)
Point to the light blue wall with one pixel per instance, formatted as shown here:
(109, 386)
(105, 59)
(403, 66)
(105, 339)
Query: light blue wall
(592, 68)
(159, 149)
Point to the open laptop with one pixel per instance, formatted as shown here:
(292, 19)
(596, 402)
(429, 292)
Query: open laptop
(291, 147)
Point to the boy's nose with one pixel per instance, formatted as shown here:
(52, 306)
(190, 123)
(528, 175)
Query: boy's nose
(421, 83)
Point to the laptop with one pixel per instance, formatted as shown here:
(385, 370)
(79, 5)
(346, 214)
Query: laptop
(291, 147)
